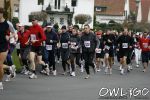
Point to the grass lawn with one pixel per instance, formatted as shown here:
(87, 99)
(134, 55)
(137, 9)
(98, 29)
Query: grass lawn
(16, 60)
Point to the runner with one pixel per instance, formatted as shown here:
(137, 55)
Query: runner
(145, 47)
(74, 50)
(51, 41)
(109, 42)
(137, 49)
(124, 44)
(5, 29)
(65, 41)
(131, 52)
(100, 52)
(23, 37)
(37, 36)
(90, 44)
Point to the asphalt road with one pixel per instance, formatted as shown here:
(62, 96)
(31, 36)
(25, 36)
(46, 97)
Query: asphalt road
(77, 88)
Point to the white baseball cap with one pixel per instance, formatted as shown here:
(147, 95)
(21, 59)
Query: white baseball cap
(20, 24)
(50, 26)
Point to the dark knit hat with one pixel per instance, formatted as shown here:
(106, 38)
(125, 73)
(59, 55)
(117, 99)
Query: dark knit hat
(63, 27)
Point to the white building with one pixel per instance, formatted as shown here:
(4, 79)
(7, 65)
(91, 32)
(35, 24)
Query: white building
(143, 11)
(59, 11)
(116, 10)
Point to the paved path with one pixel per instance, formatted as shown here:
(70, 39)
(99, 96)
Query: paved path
(74, 88)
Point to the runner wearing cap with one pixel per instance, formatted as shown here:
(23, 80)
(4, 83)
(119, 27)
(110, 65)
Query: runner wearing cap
(50, 45)
(37, 36)
(23, 38)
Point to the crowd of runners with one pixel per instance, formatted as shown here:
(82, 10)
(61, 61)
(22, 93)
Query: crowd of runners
(70, 45)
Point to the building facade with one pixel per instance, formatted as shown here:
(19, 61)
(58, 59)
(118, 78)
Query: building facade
(14, 4)
(1, 3)
(116, 10)
(143, 11)
(58, 11)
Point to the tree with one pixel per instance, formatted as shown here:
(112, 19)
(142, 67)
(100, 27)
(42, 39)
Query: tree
(83, 19)
(41, 16)
(15, 20)
(7, 7)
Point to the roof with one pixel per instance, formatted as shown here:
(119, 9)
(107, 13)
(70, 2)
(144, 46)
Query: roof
(145, 4)
(114, 7)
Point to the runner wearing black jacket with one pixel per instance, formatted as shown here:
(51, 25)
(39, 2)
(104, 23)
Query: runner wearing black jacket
(124, 43)
(74, 50)
(89, 43)
(50, 45)
(109, 42)
(5, 29)
(65, 41)
(130, 54)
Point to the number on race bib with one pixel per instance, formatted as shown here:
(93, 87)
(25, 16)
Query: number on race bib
(12, 40)
(145, 45)
(18, 46)
(124, 45)
(48, 47)
(107, 47)
(33, 37)
(87, 44)
(98, 51)
(65, 45)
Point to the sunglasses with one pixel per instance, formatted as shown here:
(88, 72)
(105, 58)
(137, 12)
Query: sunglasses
(33, 20)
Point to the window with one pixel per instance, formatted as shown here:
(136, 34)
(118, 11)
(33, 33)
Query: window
(62, 21)
(98, 9)
(58, 4)
(125, 14)
(73, 3)
(101, 9)
(55, 4)
(40, 2)
(52, 20)
(16, 7)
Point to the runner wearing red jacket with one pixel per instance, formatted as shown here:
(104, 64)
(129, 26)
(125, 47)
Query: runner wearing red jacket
(145, 47)
(23, 37)
(37, 36)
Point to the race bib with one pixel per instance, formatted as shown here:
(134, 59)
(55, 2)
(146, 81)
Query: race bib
(73, 43)
(98, 51)
(107, 47)
(18, 46)
(48, 47)
(65, 45)
(87, 44)
(145, 45)
(124, 45)
(33, 37)
(12, 40)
